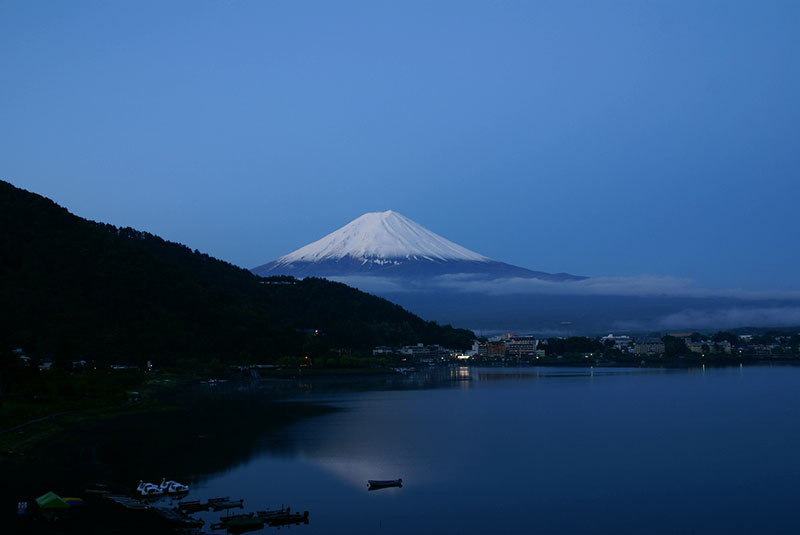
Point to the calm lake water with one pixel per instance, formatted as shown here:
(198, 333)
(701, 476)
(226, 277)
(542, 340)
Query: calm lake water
(494, 450)
(539, 450)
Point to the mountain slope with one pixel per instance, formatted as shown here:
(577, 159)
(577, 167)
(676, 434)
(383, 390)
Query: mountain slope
(78, 289)
(388, 244)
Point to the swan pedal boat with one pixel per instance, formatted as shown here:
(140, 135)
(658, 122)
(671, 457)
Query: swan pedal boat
(149, 489)
(173, 487)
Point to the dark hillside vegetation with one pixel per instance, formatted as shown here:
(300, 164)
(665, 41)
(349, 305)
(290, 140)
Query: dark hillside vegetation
(73, 289)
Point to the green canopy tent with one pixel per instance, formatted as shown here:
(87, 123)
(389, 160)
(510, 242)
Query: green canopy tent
(51, 500)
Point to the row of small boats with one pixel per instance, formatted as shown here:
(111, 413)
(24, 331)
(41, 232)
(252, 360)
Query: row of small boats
(179, 515)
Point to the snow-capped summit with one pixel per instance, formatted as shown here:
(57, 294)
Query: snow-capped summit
(389, 244)
(380, 236)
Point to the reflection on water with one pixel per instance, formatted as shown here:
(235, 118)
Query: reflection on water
(507, 450)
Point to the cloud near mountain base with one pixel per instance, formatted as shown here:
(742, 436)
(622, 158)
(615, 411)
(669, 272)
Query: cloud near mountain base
(721, 318)
(612, 304)
(639, 286)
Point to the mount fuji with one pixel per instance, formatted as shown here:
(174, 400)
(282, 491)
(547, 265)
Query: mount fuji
(388, 244)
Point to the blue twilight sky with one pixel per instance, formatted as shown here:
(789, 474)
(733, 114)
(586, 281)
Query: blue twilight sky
(599, 138)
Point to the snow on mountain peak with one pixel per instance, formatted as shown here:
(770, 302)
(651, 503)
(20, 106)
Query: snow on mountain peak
(377, 236)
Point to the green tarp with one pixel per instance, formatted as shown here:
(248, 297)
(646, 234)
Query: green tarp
(51, 500)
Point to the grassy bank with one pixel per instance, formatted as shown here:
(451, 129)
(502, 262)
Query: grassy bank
(57, 402)
(22, 438)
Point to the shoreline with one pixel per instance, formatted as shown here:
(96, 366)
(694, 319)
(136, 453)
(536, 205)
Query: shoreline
(161, 394)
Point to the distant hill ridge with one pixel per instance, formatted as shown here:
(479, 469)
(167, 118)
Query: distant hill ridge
(77, 288)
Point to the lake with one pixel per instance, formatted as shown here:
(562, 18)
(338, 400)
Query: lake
(550, 450)
(505, 450)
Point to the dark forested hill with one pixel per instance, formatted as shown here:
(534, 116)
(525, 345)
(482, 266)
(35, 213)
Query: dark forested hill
(73, 288)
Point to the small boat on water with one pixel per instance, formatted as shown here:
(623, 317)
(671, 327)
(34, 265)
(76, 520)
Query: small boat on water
(274, 513)
(193, 506)
(375, 484)
(242, 524)
(227, 518)
(288, 518)
(240, 520)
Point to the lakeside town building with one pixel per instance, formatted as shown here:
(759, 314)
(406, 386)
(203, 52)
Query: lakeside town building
(621, 343)
(709, 346)
(510, 348)
(649, 346)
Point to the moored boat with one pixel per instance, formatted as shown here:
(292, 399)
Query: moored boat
(226, 504)
(192, 506)
(228, 518)
(375, 484)
(274, 513)
(288, 518)
(239, 523)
